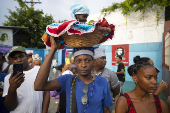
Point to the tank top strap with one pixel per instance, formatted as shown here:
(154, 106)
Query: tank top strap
(131, 108)
(158, 103)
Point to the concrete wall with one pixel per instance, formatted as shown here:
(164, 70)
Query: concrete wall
(143, 35)
(133, 29)
(9, 32)
(151, 50)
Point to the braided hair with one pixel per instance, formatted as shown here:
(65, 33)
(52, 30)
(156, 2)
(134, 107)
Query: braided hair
(133, 69)
(140, 59)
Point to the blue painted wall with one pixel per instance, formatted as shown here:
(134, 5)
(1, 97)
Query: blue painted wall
(42, 53)
(151, 50)
(60, 57)
(37, 51)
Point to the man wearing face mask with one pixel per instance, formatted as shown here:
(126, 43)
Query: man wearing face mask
(85, 93)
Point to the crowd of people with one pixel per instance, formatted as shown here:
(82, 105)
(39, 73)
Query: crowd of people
(84, 85)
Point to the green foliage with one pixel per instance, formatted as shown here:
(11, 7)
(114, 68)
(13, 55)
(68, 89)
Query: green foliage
(137, 5)
(34, 20)
(90, 22)
(110, 9)
(3, 36)
(61, 21)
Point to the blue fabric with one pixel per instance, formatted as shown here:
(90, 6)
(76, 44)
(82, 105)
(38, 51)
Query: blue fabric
(61, 42)
(90, 49)
(101, 94)
(79, 8)
(83, 48)
(83, 27)
(2, 107)
(55, 24)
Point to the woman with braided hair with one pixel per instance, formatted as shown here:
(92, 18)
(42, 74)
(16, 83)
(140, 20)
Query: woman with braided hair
(140, 99)
(162, 85)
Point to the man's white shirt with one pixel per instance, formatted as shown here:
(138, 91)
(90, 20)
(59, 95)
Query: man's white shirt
(29, 100)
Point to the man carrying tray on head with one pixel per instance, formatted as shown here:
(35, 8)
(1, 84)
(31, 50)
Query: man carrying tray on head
(85, 92)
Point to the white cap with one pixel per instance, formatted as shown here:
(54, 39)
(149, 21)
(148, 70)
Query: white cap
(99, 52)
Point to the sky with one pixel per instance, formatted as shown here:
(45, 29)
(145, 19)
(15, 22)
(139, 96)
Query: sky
(59, 9)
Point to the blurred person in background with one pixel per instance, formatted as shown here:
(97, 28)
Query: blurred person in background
(30, 59)
(54, 64)
(7, 66)
(3, 109)
(100, 70)
(120, 72)
(36, 60)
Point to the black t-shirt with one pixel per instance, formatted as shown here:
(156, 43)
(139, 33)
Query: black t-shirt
(121, 76)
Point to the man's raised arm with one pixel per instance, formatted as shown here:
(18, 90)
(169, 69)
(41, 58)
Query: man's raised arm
(41, 83)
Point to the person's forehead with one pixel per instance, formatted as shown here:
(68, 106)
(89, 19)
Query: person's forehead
(83, 57)
(102, 57)
(37, 62)
(83, 14)
(17, 53)
(148, 70)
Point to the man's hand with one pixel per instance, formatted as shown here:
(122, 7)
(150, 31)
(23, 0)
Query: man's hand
(16, 81)
(30, 60)
(162, 86)
(10, 61)
(55, 42)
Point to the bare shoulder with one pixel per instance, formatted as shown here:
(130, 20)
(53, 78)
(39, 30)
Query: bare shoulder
(122, 100)
(121, 103)
(164, 106)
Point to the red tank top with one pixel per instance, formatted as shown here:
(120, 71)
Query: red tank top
(131, 108)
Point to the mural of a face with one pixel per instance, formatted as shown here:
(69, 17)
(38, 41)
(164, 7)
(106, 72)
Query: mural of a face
(120, 51)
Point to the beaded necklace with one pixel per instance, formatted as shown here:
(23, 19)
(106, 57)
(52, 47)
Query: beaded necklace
(71, 94)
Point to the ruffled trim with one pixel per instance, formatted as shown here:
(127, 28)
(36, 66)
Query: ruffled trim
(62, 32)
(70, 28)
(81, 31)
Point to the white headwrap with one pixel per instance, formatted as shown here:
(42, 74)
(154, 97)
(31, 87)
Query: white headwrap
(36, 57)
(79, 8)
(99, 52)
(83, 51)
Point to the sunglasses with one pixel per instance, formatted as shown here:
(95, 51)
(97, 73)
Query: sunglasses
(37, 58)
(84, 98)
